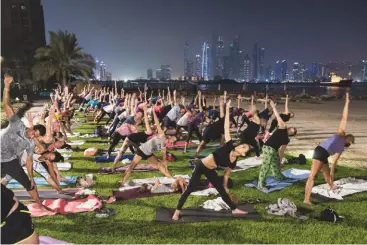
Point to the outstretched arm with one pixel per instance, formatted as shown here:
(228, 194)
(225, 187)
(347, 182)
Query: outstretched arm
(333, 165)
(266, 101)
(156, 121)
(227, 133)
(221, 107)
(343, 123)
(281, 123)
(286, 111)
(200, 106)
(6, 97)
(146, 121)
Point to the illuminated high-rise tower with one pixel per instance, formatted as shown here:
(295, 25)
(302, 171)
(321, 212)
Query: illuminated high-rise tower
(217, 56)
(97, 70)
(198, 65)
(261, 64)
(186, 59)
(102, 71)
(205, 61)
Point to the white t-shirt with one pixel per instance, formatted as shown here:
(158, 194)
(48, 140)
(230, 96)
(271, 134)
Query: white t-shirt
(88, 97)
(174, 113)
(161, 188)
(184, 120)
(154, 144)
(108, 108)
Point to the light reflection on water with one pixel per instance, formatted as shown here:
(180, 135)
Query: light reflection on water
(311, 89)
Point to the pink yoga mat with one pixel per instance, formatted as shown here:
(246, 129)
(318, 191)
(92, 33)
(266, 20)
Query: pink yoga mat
(180, 144)
(50, 240)
(62, 206)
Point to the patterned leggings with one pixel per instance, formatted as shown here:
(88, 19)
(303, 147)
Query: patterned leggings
(270, 162)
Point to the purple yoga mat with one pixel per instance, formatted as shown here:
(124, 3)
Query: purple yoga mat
(134, 193)
(50, 240)
(139, 168)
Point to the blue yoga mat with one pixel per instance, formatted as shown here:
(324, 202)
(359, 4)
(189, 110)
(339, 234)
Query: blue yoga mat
(13, 184)
(274, 184)
(103, 159)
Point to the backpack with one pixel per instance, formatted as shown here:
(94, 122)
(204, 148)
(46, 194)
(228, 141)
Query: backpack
(329, 215)
(301, 159)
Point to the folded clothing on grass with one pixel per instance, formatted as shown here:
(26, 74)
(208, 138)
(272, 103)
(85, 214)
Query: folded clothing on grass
(13, 184)
(292, 175)
(346, 186)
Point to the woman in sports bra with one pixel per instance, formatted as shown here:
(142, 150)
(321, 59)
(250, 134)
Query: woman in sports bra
(226, 157)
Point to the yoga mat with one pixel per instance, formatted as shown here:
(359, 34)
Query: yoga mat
(247, 163)
(179, 144)
(103, 159)
(191, 215)
(13, 184)
(293, 175)
(64, 166)
(50, 240)
(76, 142)
(23, 195)
(122, 169)
(134, 193)
(346, 187)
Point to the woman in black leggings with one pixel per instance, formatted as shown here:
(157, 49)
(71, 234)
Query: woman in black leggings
(226, 156)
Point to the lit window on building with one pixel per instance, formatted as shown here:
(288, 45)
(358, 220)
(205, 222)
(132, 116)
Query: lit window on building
(13, 6)
(23, 7)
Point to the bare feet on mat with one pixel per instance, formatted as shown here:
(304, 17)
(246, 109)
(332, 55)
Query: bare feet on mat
(239, 211)
(176, 215)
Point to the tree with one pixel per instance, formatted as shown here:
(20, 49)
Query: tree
(62, 58)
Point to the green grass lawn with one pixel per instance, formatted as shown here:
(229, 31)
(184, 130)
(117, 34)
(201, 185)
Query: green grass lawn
(134, 222)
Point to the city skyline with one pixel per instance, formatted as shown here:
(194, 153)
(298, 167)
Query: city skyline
(133, 39)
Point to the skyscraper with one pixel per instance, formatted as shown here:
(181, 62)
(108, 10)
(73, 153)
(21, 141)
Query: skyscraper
(198, 65)
(234, 54)
(217, 54)
(314, 70)
(205, 61)
(296, 72)
(149, 74)
(261, 64)
(247, 69)
(268, 73)
(186, 59)
(190, 68)
(241, 68)
(278, 70)
(23, 28)
(226, 67)
(255, 61)
(158, 74)
(96, 70)
(108, 76)
(102, 71)
(166, 72)
(284, 70)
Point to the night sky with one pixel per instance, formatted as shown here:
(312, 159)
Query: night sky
(132, 36)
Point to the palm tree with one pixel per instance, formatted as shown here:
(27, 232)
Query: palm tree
(62, 58)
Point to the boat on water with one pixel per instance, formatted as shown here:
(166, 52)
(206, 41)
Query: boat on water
(337, 81)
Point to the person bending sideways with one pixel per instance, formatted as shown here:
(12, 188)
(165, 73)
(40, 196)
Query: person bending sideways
(274, 148)
(45, 166)
(226, 156)
(284, 116)
(147, 149)
(334, 146)
(16, 223)
(15, 139)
